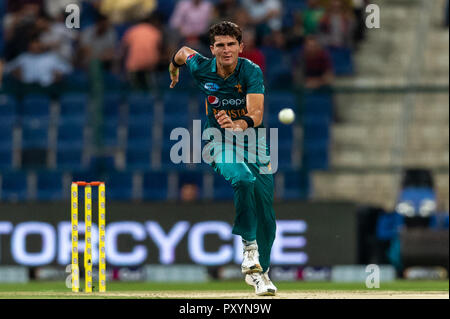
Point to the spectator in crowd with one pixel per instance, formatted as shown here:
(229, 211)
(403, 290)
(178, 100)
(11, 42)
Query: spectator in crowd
(265, 15)
(38, 68)
(120, 11)
(295, 35)
(142, 46)
(189, 193)
(191, 18)
(311, 17)
(225, 10)
(314, 67)
(231, 10)
(17, 5)
(251, 51)
(99, 43)
(57, 37)
(19, 28)
(337, 25)
(359, 7)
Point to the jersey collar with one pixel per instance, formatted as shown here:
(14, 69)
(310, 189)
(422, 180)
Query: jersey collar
(214, 66)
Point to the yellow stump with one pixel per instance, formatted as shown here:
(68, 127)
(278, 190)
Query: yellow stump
(88, 238)
(101, 238)
(74, 221)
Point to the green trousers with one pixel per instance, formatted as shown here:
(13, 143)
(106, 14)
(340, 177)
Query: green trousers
(253, 199)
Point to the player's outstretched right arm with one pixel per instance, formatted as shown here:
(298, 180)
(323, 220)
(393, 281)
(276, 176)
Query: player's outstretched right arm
(178, 60)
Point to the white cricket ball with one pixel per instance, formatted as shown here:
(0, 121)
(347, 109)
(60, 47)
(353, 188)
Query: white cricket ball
(286, 116)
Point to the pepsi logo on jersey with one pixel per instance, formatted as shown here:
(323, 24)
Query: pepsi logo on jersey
(216, 102)
(213, 100)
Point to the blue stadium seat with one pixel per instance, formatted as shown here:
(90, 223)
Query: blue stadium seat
(119, 185)
(289, 8)
(284, 157)
(314, 145)
(342, 59)
(279, 77)
(112, 82)
(316, 129)
(274, 57)
(285, 132)
(316, 152)
(296, 184)
(36, 107)
(172, 120)
(77, 80)
(73, 108)
(111, 107)
(316, 160)
(166, 161)
(155, 186)
(165, 8)
(185, 81)
(175, 103)
(102, 162)
(8, 110)
(222, 188)
(89, 16)
(49, 186)
(138, 158)
(277, 101)
(69, 159)
(140, 107)
(6, 137)
(317, 105)
(70, 136)
(14, 186)
(110, 134)
(35, 134)
(140, 135)
(5, 159)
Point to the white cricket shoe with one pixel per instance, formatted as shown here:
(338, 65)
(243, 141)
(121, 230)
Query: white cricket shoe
(261, 288)
(250, 264)
(269, 282)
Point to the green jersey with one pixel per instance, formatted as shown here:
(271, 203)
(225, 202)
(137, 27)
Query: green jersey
(229, 93)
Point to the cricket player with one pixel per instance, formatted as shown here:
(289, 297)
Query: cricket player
(235, 101)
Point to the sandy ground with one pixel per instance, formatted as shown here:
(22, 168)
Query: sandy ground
(239, 295)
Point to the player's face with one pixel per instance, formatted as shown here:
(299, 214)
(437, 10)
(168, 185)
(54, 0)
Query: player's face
(226, 49)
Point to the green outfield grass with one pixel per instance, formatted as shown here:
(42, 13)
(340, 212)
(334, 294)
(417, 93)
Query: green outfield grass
(400, 285)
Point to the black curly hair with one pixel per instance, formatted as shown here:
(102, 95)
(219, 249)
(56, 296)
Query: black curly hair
(225, 28)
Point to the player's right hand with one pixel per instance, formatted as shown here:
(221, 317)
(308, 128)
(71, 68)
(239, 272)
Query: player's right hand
(174, 75)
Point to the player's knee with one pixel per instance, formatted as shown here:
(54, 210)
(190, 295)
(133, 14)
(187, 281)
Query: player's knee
(245, 179)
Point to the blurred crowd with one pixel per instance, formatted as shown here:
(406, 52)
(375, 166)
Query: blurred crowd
(137, 38)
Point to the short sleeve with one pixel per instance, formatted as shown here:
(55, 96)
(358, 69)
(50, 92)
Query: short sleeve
(255, 79)
(195, 61)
